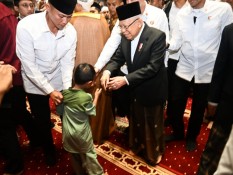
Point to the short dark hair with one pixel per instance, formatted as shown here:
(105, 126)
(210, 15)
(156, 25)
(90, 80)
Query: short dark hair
(16, 3)
(8, 3)
(83, 73)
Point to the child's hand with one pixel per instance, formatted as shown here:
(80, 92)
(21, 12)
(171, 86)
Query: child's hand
(98, 92)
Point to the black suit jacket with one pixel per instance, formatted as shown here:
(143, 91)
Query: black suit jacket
(221, 88)
(147, 74)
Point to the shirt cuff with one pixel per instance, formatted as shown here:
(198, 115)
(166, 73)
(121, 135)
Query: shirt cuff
(49, 89)
(98, 66)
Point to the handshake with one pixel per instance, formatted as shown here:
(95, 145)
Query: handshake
(112, 83)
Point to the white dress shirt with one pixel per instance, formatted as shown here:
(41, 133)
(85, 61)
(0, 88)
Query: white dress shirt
(134, 43)
(153, 16)
(199, 42)
(47, 59)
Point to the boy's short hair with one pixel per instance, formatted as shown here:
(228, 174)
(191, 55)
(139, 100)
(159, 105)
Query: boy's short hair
(83, 73)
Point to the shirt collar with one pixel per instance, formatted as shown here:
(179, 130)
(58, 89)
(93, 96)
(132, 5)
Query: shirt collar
(139, 34)
(45, 27)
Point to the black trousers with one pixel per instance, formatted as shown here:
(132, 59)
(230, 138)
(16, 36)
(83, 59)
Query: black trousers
(23, 116)
(121, 100)
(180, 94)
(172, 64)
(9, 145)
(12, 112)
(40, 109)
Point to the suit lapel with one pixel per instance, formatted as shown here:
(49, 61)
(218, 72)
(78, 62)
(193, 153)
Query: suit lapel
(126, 47)
(128, 50)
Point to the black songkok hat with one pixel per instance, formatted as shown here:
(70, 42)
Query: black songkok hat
(64, 6)
(128, 10)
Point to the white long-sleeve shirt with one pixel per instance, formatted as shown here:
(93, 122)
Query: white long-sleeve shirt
(153, 16)
(199, 42)
(47, 60)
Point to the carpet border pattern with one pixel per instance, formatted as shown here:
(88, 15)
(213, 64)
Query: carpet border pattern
(136, 163)
(109, 151)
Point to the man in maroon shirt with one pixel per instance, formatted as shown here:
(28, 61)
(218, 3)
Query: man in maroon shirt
(13, 108)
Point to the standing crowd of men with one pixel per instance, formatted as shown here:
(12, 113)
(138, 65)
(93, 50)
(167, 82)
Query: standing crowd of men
(145, 57)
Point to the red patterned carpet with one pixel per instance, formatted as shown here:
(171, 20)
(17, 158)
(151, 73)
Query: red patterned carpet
(113, 156)
(176, 157)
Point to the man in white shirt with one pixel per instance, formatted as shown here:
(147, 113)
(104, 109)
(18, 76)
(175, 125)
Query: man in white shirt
(171, 9)
(197, 34)
(45, 45)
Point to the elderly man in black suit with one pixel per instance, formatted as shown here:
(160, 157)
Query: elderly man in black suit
(143, 50)
(220, 104)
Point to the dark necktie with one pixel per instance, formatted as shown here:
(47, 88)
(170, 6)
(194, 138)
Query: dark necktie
(194, 19)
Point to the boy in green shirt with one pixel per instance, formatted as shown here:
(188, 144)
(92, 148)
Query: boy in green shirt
(76, 131)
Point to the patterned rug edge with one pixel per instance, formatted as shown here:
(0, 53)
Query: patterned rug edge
(122, 163)
(113, 150)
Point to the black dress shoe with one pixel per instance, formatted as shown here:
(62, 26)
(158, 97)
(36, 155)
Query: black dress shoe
(191, 145)
(172, 137)
(150, 162)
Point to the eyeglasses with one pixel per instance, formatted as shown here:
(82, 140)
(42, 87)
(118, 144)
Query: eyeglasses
(126, 27)
(31, 5)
